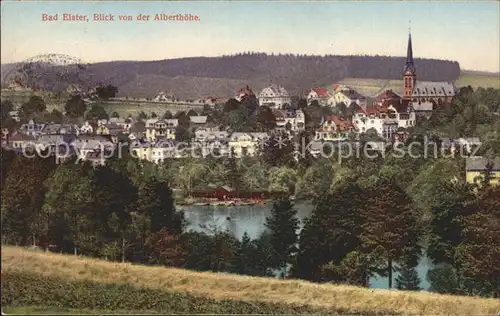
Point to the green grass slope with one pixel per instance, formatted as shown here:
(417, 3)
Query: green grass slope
(50, 282)
(372, 87)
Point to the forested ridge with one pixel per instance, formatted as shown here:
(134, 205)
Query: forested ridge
(295, 72)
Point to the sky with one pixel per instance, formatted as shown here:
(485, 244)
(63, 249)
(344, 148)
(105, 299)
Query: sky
(468, 32)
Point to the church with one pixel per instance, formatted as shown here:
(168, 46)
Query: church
(423, 95)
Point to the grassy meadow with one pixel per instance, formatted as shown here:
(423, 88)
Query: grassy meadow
(33, 280)
(124, 109)
(371, 87)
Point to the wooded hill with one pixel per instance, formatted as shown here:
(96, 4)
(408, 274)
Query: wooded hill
(222, 76)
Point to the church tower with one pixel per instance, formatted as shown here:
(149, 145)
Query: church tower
(410, 73)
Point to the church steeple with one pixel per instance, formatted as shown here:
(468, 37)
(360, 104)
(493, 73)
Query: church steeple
(410, 66)
(410, 73)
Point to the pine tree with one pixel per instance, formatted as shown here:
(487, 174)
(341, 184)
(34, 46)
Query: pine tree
(408, 278)
(390, 223)
(331, 232)
(479, 251)
(243, 256)
(278, 150)
(445, 230)
(283, 225)
(22, 198)
(156, 201)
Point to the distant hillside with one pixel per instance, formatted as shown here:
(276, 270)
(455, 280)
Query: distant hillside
(32, 278)
(200, 77)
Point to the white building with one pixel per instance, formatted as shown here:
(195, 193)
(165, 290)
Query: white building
(334, 129)
(295, 120)
(164, 96)
(243, 144)
(347, 96)
(274, 96)
(319, 94)
(385, 119)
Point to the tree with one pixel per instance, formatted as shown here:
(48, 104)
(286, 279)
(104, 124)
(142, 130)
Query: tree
(331, 232)
(250, 103)
(302, 104)
(65, 210)
(22, 199)
(182, 134)
(479, 251)
(154, 115)
(142, 115)
(266, 120)
(231, 105)
(390, 223)
(408, 279)
(166, 249)
(355, 268)
(278, 150)
(75, 106)
(168, 115)
(237, 119)
(304, 157)
(157, 203)
(34, 105)
(6, 107)
(96, 112)
(192, 112)
(55, 116)
(113, 197)
(283, 225)
(106, 92)
(341, 108)
(444, 227)
(443, 279)
(232, 173)
(251, 257)
(282, 179)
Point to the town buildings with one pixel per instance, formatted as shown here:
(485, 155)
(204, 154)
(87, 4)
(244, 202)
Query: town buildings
(274, 96)
(321, 95)
(348, 97)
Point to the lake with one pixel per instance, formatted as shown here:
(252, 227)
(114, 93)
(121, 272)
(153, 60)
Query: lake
(251, 219)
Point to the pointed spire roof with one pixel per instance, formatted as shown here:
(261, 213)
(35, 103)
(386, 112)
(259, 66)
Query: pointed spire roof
(410, 66)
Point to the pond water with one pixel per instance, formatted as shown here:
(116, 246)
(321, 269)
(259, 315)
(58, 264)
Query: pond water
(251, 219)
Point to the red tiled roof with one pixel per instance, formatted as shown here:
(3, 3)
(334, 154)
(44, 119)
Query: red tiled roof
(387, 94)
(400, 105)
(246, 90)
(279, 115)
(340, 122)
(321, 92)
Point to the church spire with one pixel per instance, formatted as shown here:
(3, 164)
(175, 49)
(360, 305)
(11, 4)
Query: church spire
(410, 66)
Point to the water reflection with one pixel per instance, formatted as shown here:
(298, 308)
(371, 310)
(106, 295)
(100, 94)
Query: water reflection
(251, 219)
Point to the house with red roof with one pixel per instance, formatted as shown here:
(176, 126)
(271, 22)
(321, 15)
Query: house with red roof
(334, 128)
(319, 94)
(293, 121)
(385, 118)
(347, 96)
(386, 96)
(243, 93)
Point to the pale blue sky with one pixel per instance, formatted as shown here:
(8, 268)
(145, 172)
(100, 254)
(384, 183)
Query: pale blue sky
(468, 32)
